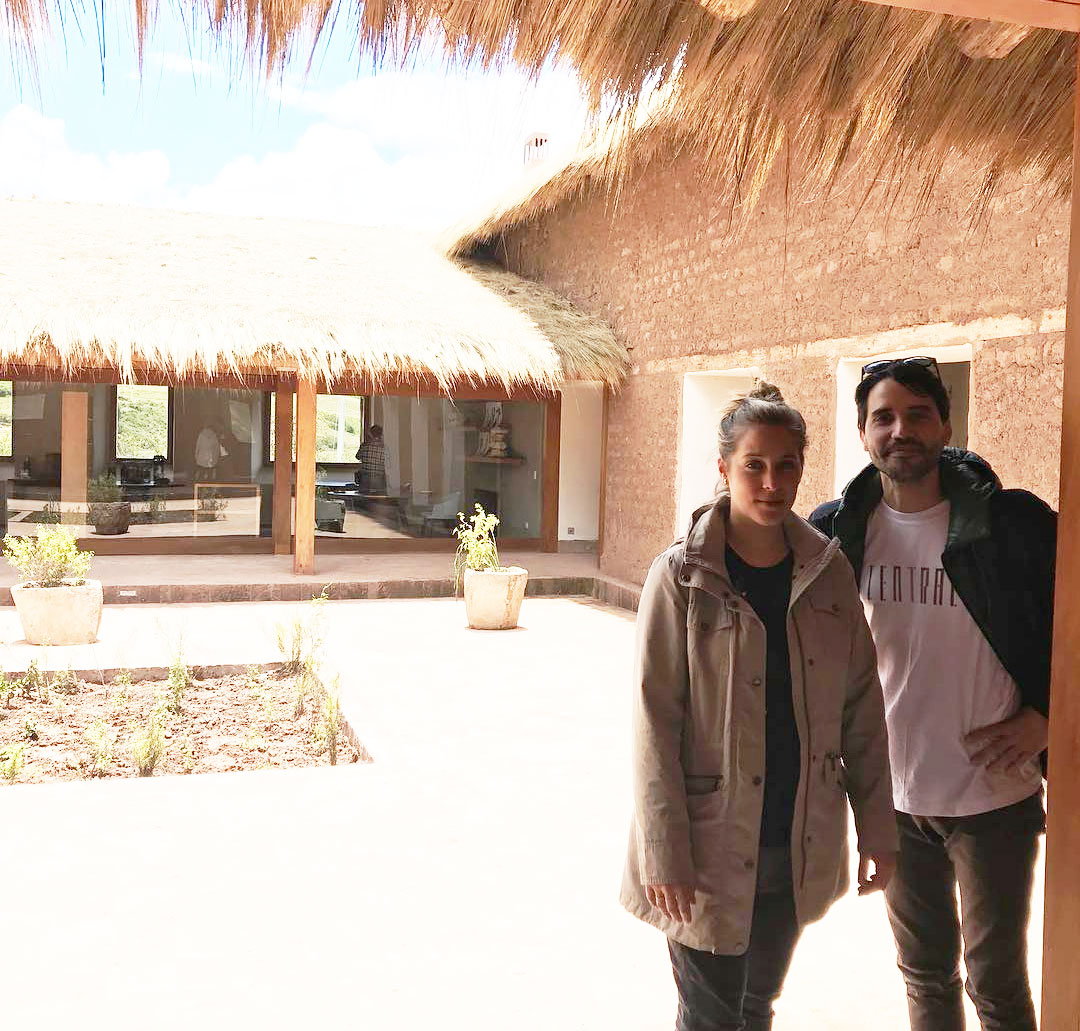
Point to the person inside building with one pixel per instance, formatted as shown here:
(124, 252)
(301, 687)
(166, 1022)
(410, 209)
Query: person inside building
(957, 581)
(757, 717)
(371, 476)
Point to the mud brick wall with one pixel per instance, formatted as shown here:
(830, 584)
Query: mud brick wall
(800, 287)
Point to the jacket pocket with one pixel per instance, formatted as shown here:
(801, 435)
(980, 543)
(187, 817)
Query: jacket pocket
(832, 769)
(707, 614)
(703, 785)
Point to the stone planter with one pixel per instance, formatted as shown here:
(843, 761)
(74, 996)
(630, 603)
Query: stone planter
(110, 517)
(68, 614)
(493, 597)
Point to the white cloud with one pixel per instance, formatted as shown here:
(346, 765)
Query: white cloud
(421, 151)
(38, 161)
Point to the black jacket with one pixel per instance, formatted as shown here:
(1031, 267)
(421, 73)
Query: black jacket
(999, 555)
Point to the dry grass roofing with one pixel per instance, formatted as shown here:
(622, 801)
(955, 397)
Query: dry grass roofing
(805, 84)
(191, 295)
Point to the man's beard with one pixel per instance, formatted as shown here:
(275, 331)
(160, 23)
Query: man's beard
(910, 467)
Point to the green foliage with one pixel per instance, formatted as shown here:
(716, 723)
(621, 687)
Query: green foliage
(48, 560)
(104, 489)
(102, 742)
(148, 743)
(187, 754)
(65, 682)
(142, 421)
(211, 505)
(12, 760)
(30, 730)
(34, 683)
(300, 642)
(177, 684)
(155, 509)
(327, 730)
(50, 512)
(8, 689)
(120, 694)
(476, 543)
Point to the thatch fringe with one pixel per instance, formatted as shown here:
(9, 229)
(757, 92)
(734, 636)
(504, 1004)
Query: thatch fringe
(826, 83)
(191, 296)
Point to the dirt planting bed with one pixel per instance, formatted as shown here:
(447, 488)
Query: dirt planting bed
(60, 727)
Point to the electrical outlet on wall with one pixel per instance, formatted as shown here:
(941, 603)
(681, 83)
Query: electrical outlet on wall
(569, 531)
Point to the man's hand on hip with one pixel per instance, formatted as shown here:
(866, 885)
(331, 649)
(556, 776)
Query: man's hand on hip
(1003, 747)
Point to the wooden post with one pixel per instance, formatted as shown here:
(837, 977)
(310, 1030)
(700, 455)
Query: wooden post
(1061, 927)
(304, 556)
(283, 469)
(602, 514)
(549, 481)
(74, 443)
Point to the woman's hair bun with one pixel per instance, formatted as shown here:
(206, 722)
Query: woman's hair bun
(763, 391)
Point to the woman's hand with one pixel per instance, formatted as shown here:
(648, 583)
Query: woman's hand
(884, 868)
(673, 900)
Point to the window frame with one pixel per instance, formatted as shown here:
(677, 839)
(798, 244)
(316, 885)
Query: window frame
(114, 413)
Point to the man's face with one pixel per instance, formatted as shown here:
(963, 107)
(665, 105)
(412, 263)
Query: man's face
(904, 432)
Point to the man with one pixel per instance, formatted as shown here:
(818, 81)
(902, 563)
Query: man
(209, 451)
(957, 579)
(371, 476)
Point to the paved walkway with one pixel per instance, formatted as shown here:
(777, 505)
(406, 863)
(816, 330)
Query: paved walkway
(465, 880)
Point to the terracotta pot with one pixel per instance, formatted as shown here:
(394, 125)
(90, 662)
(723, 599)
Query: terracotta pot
(493, 597)
(68, 614)
(110, 517)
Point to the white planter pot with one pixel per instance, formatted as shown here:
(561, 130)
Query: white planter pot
(493, 598)
(69, 614)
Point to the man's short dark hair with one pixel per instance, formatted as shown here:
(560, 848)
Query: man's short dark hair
(916, 378)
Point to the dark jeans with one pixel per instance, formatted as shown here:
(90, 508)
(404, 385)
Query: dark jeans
(992, 858)
(736, 993)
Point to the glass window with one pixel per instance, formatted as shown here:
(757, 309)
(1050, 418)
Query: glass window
(339, 427)
(5, 418)
(426, 459)
(142, 421)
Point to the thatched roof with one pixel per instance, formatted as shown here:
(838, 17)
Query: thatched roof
(806, 82)
(93, 287)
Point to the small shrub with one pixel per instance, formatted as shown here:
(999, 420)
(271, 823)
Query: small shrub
(301, 641)
(120, 694)
(477, 548)
(48, 560)
(148, 744)
(66, 682)
(178, 683)
(8, 689)
(102, 741)
(12, 760)
(34, 683)
(30, 730)
(104, 489)
(187, 754)
(50, 512)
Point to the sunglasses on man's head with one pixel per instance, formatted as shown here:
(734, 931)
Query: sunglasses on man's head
(921, 361)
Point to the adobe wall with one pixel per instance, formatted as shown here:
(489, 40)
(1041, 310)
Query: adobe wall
(790, 296)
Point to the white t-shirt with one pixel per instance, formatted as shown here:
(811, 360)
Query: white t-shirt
(940, 677)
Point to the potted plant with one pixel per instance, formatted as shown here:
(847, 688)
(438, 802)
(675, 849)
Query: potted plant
(55, 602)
(108, 510)
(493, 592)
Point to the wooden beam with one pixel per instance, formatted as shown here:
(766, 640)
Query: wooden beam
(1063, 15)
(1061, 927)
(281, 519)
(604, 422)
(549, 479)
(304, 554)
(74, 445)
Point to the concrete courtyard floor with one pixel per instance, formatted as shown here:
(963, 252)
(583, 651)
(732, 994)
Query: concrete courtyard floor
(465, 880)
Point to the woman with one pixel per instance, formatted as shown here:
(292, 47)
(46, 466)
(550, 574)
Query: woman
(758, 713)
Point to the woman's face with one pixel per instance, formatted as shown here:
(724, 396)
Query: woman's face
(763, 474)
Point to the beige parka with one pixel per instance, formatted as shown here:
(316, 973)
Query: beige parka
(699, 735)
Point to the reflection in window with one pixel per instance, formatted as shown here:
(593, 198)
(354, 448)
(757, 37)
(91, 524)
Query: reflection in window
(142, 421)
(339, 428)
(5, 418)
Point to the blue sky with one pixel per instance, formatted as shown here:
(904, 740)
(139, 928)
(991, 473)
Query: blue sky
(199, 129)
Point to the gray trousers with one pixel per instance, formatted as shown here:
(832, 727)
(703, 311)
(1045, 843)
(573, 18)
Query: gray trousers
(736, 993)
(991, 857)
